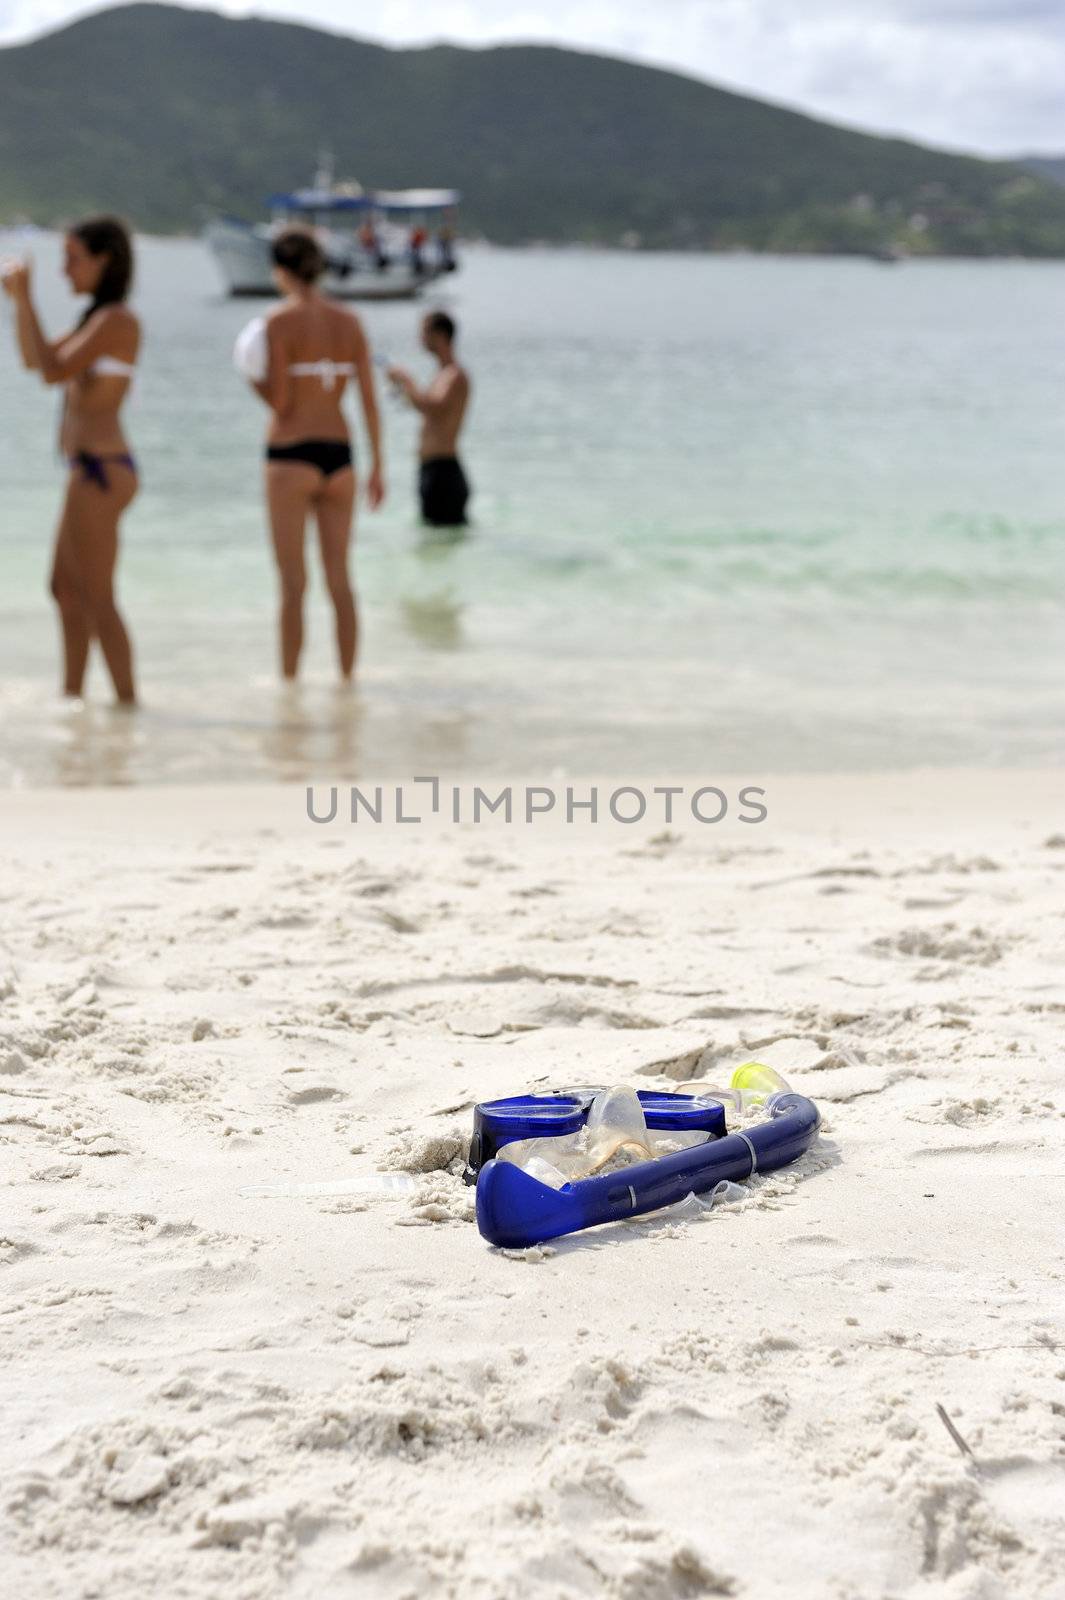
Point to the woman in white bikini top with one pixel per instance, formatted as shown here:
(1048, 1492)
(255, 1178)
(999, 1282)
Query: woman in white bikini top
(95, 363)
(298, 360)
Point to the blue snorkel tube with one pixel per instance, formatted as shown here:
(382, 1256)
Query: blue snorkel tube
(515, 1210)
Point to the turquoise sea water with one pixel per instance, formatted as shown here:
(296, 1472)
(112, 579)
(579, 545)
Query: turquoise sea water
(732, 515)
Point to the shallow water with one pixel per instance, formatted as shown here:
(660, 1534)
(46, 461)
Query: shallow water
(732, 514)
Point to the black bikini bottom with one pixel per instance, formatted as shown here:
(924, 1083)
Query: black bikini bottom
(328, 455)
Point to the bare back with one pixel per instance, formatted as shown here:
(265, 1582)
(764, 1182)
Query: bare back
(325, 345)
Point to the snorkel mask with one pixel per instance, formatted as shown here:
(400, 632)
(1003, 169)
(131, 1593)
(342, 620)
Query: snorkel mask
(538, 1160)
(498, 1124)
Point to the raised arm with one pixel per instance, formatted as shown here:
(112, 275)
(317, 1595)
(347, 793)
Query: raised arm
(23, 332)
(108, 332)
(371, 414)
(16, 281)
(431, 402)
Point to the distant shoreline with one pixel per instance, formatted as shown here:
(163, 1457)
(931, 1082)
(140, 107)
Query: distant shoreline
(566, 246)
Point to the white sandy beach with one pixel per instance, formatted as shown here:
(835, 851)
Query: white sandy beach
(213, 1394)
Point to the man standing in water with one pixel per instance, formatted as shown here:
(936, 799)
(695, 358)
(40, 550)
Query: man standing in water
(442, 484)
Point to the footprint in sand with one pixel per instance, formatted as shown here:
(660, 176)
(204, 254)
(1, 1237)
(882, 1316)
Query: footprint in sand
(947, 942)
(1028, 1494)
(313, 1094)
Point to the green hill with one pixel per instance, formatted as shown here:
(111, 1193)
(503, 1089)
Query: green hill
(168, 115)
(1052, 167)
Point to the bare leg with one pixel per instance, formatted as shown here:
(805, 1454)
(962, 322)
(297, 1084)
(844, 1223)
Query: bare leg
(73, 619)
(335, 511)
(290, 488)
(91, 518)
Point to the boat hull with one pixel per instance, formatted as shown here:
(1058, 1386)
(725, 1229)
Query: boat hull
(243, 258)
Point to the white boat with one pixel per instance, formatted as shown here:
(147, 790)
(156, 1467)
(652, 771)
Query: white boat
(386, 244)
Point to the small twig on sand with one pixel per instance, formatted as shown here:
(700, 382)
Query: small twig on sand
(955, 1435)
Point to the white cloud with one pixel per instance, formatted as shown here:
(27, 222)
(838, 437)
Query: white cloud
(977, 74)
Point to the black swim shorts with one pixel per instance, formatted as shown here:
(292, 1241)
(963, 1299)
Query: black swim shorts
(444, 491)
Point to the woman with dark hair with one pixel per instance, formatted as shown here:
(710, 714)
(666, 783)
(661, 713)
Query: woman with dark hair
(298, 360)
(95, 364)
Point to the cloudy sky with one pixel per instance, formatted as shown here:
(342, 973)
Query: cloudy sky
(983, 75)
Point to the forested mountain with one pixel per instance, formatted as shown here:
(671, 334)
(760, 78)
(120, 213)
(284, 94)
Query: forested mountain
(168, 115)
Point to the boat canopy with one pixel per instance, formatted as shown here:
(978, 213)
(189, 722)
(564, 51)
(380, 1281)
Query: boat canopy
(319, 200)
(415, 199)
(392, 200)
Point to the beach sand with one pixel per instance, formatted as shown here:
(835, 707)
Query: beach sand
(209, 1393)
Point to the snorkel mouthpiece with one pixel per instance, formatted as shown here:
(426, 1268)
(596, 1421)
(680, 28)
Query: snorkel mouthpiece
(757, 1082)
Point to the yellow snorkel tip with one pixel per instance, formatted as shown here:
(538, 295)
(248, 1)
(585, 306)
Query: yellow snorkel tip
(758, 1081)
